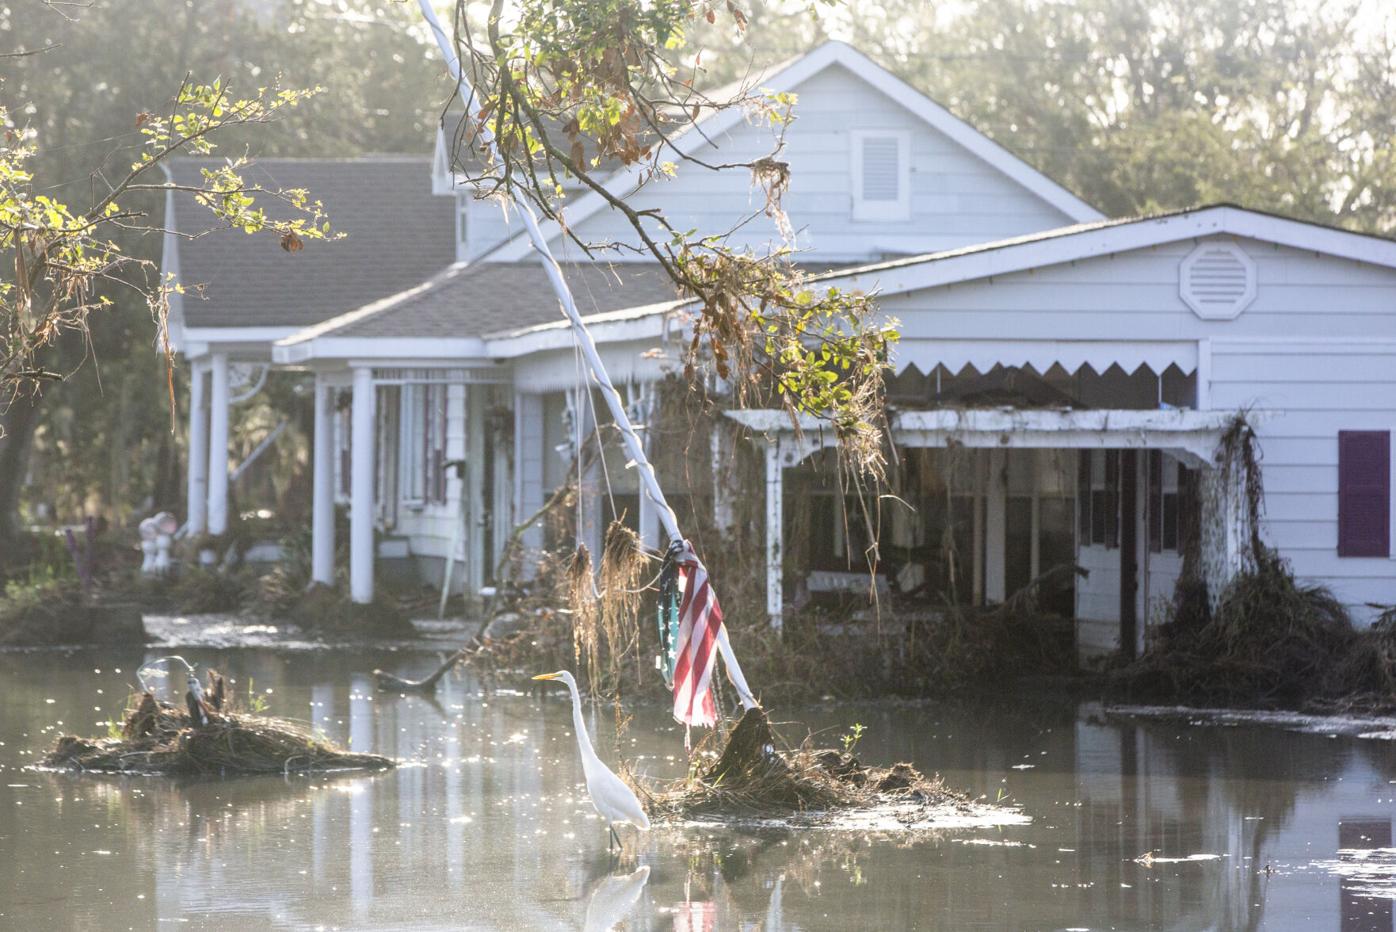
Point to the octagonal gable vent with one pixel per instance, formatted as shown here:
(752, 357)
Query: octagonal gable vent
(1217, 280)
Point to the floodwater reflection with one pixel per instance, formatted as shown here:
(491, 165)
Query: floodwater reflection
(487, 825)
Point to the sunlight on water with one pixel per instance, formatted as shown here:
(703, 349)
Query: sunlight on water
(1116, 822)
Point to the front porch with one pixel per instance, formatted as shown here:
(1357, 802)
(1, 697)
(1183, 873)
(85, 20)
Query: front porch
(990, 499)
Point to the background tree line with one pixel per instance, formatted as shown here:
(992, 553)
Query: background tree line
(1136, 105)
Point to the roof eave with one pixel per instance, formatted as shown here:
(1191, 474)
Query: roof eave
(1070, 244)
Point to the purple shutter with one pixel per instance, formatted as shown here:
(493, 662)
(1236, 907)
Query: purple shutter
(1364, 493)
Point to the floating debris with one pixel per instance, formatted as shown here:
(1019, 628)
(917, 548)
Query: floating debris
(159, 738)
(753, 781)
(1149, 859)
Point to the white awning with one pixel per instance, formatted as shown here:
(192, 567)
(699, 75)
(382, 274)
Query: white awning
(1191, 436)
(1041, 355)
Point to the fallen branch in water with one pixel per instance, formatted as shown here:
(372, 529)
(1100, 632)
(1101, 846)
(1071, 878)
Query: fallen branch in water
(387, 682)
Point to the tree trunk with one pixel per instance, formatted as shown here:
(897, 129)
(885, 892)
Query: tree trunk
(17, 425)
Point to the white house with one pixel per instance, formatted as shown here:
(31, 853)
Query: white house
(1060, 388)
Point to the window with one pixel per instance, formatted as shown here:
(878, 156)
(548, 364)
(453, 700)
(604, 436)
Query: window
(1098, 498)
(1163, 502)
(881, 175)
(422, 464)
(1364, 493)
(462, 227)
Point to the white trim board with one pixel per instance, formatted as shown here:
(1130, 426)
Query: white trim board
(1072, 244)
(624, 182)
(238, 334)
(461, 351)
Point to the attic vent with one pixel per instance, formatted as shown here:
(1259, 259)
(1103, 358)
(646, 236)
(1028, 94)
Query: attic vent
(881, 175)
(880, 169)
(1217, 280)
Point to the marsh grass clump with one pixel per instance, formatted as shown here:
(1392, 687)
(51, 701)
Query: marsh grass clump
(1267, 640)
(1273, 642)
(755, 777)
(158, 738)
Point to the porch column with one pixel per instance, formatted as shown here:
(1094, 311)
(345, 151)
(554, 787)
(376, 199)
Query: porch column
(501, 487)
(474, 490)
(361, 489)
(322, 504)
(197, 499)
(775, 528)
(723, 453)
(218, 447)
(528, 471)
(996, 528)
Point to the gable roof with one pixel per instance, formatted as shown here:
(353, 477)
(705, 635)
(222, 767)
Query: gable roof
(1103, 238)
(398, 233)
(789, 76)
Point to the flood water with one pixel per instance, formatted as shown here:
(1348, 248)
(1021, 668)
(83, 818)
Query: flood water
(488, 828)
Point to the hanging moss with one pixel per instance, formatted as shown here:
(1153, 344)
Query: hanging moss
(1270, 641)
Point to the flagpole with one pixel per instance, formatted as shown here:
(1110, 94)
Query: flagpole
(588, 345)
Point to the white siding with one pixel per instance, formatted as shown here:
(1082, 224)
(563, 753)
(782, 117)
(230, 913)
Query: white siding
(488, 225)
(956, 198)
(1316, 352)
(1134, 296)
(530, 454)
(1309, 392)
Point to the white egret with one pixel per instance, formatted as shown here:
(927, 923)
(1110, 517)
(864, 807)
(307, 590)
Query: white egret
(609, 794)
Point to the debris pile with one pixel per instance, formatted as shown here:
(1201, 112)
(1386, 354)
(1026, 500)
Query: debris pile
(753, 779)
(159, 738)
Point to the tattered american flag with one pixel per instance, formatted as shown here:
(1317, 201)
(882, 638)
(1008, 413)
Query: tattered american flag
(700, 632)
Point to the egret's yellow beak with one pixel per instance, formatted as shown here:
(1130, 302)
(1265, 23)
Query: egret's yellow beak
(546, 676)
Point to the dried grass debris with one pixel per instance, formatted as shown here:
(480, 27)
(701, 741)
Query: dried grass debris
(157, 738)
(754, 777)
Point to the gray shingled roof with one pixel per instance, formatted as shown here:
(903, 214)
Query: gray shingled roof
(489, 297)
(398, 235)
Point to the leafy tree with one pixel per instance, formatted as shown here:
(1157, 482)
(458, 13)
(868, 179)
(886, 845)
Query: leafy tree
(571, 89)
(1147, 105)
(108, 422)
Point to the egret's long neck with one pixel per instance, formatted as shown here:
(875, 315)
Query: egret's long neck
(580, 727)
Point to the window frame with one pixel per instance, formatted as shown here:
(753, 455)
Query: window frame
(864, 209)
(422, 442)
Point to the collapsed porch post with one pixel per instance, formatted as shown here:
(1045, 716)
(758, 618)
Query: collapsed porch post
(587, 345)
(589, 530)
(361, 488)
(197, 498)
(644, 406)
(322, 503)
(218, 447)
(775, 520)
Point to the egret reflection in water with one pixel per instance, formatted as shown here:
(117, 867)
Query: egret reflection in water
(613, 899)
(484, 826)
